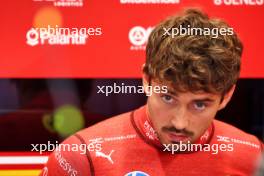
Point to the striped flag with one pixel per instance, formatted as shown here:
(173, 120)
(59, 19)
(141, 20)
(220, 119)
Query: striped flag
(22, 163)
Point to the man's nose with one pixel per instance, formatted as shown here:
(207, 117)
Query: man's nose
(180, 119)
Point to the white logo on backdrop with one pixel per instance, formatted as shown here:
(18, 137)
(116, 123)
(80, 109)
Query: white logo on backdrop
(64, 3)
(138, 37)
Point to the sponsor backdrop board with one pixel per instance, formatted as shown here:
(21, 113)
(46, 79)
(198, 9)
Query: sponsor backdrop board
(105, 39)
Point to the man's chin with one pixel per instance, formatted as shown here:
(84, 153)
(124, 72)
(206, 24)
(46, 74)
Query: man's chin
(180, 142)
(185, 141)
(189, 141)
(175, 142)
(165, 139)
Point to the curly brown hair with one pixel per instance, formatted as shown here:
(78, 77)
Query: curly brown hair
(194, 62)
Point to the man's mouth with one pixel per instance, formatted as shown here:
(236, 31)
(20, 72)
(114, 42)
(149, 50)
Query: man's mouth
(174, 137)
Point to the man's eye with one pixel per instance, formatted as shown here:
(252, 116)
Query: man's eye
(167, 98)
(199, 105)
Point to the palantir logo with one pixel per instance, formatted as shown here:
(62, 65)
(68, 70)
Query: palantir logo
(137, 173)
(138, 37)
(32, 37)
(60, 35)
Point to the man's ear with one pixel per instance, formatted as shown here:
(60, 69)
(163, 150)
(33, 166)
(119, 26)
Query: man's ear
(227, 97)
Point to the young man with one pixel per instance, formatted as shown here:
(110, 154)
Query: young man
(198, 59)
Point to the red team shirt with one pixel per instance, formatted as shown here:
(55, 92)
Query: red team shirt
(126, 145)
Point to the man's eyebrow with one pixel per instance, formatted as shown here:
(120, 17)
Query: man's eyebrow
(197, 99)
(172, 93)
(204, 99)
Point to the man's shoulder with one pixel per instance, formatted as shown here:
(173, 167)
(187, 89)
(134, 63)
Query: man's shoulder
(227, 133)
(225, 128)
(71, 151)
(243, 148)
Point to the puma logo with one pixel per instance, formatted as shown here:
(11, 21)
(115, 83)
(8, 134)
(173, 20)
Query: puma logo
(108, 157)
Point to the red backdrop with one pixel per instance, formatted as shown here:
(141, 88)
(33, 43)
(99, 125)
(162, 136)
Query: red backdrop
(111, 54)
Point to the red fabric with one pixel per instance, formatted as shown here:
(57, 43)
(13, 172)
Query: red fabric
(124, 148)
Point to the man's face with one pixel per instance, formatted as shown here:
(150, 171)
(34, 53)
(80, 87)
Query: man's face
(184, 116)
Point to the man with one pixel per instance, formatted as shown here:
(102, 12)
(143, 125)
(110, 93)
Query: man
(175, 133)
